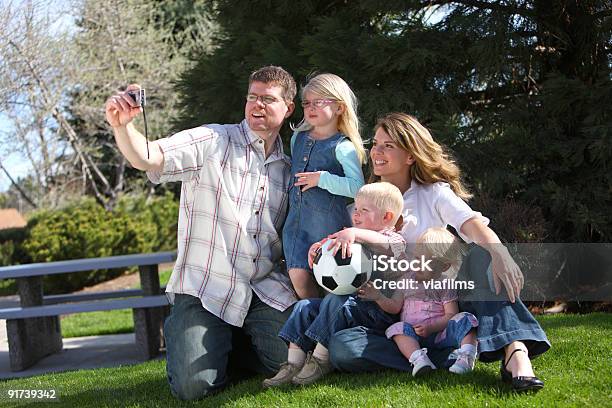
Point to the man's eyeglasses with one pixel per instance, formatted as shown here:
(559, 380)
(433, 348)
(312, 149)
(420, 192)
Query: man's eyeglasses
(265, 99)
(317, 103)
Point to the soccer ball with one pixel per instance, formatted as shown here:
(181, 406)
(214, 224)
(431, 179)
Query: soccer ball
(342, 276)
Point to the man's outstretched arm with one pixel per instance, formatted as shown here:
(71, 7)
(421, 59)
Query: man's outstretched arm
(120, 110)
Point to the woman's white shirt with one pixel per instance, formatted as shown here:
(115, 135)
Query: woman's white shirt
(434, 205)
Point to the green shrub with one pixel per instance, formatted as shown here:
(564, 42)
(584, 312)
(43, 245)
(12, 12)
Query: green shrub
(11, 253)
(86, 230)
(6, 252)
(7, 286)
(160, 212)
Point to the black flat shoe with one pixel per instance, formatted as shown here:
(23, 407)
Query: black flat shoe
(521, 383)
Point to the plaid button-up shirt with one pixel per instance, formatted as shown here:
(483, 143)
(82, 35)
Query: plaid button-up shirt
(232, 209)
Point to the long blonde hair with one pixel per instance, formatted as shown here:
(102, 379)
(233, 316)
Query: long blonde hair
(331, 86)
(432, 161)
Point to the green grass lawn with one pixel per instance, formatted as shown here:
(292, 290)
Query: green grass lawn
(577, 371)
(98, 323)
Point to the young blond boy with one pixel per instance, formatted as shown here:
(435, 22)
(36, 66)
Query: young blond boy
(308, 329)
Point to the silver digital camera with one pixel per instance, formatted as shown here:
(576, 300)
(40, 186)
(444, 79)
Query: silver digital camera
(139, 96)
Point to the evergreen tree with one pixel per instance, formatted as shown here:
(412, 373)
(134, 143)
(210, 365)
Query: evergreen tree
(516, 88)
(251, 35)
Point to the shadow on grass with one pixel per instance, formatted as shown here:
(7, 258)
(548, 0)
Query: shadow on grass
(156, 392)
(487, 382)
(147, 385)
(149, 392)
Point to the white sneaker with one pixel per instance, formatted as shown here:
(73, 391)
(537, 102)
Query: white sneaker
(464, 361)
(420, 362)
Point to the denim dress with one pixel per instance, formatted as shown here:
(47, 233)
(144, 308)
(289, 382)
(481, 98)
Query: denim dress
(314, 213)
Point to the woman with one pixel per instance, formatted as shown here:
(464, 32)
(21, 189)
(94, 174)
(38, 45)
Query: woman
(405, 154)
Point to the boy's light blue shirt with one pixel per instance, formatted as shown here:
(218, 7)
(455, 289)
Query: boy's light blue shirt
(353, 175)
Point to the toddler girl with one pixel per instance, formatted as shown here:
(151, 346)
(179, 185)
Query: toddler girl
(430, 317)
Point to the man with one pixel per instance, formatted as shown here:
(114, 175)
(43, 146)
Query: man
(232, 208)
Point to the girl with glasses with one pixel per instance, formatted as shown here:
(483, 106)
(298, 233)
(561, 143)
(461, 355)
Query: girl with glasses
(327, 153)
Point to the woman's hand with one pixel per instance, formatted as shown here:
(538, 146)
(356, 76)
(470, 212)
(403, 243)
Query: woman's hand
(308, 180)
(342, 240)
(369, 292)
(506, 272)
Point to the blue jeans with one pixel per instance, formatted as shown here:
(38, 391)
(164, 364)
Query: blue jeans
(452, 336)
(361, 349)
(500, 323)
(316, 320)
(199, 345)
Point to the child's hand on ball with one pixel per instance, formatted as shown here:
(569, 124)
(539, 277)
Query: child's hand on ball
(369, 292)
(343, 240)
(312, 252)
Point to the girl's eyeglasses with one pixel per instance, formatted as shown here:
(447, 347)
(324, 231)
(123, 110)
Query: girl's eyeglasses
(317, 103)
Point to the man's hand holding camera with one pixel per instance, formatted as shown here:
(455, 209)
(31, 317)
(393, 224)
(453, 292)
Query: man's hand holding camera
(121, 108)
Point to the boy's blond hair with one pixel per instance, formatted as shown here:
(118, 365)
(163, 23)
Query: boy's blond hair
(438, 243)
(384, 196)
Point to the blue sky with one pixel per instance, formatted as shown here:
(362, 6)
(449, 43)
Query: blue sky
(15, 163)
